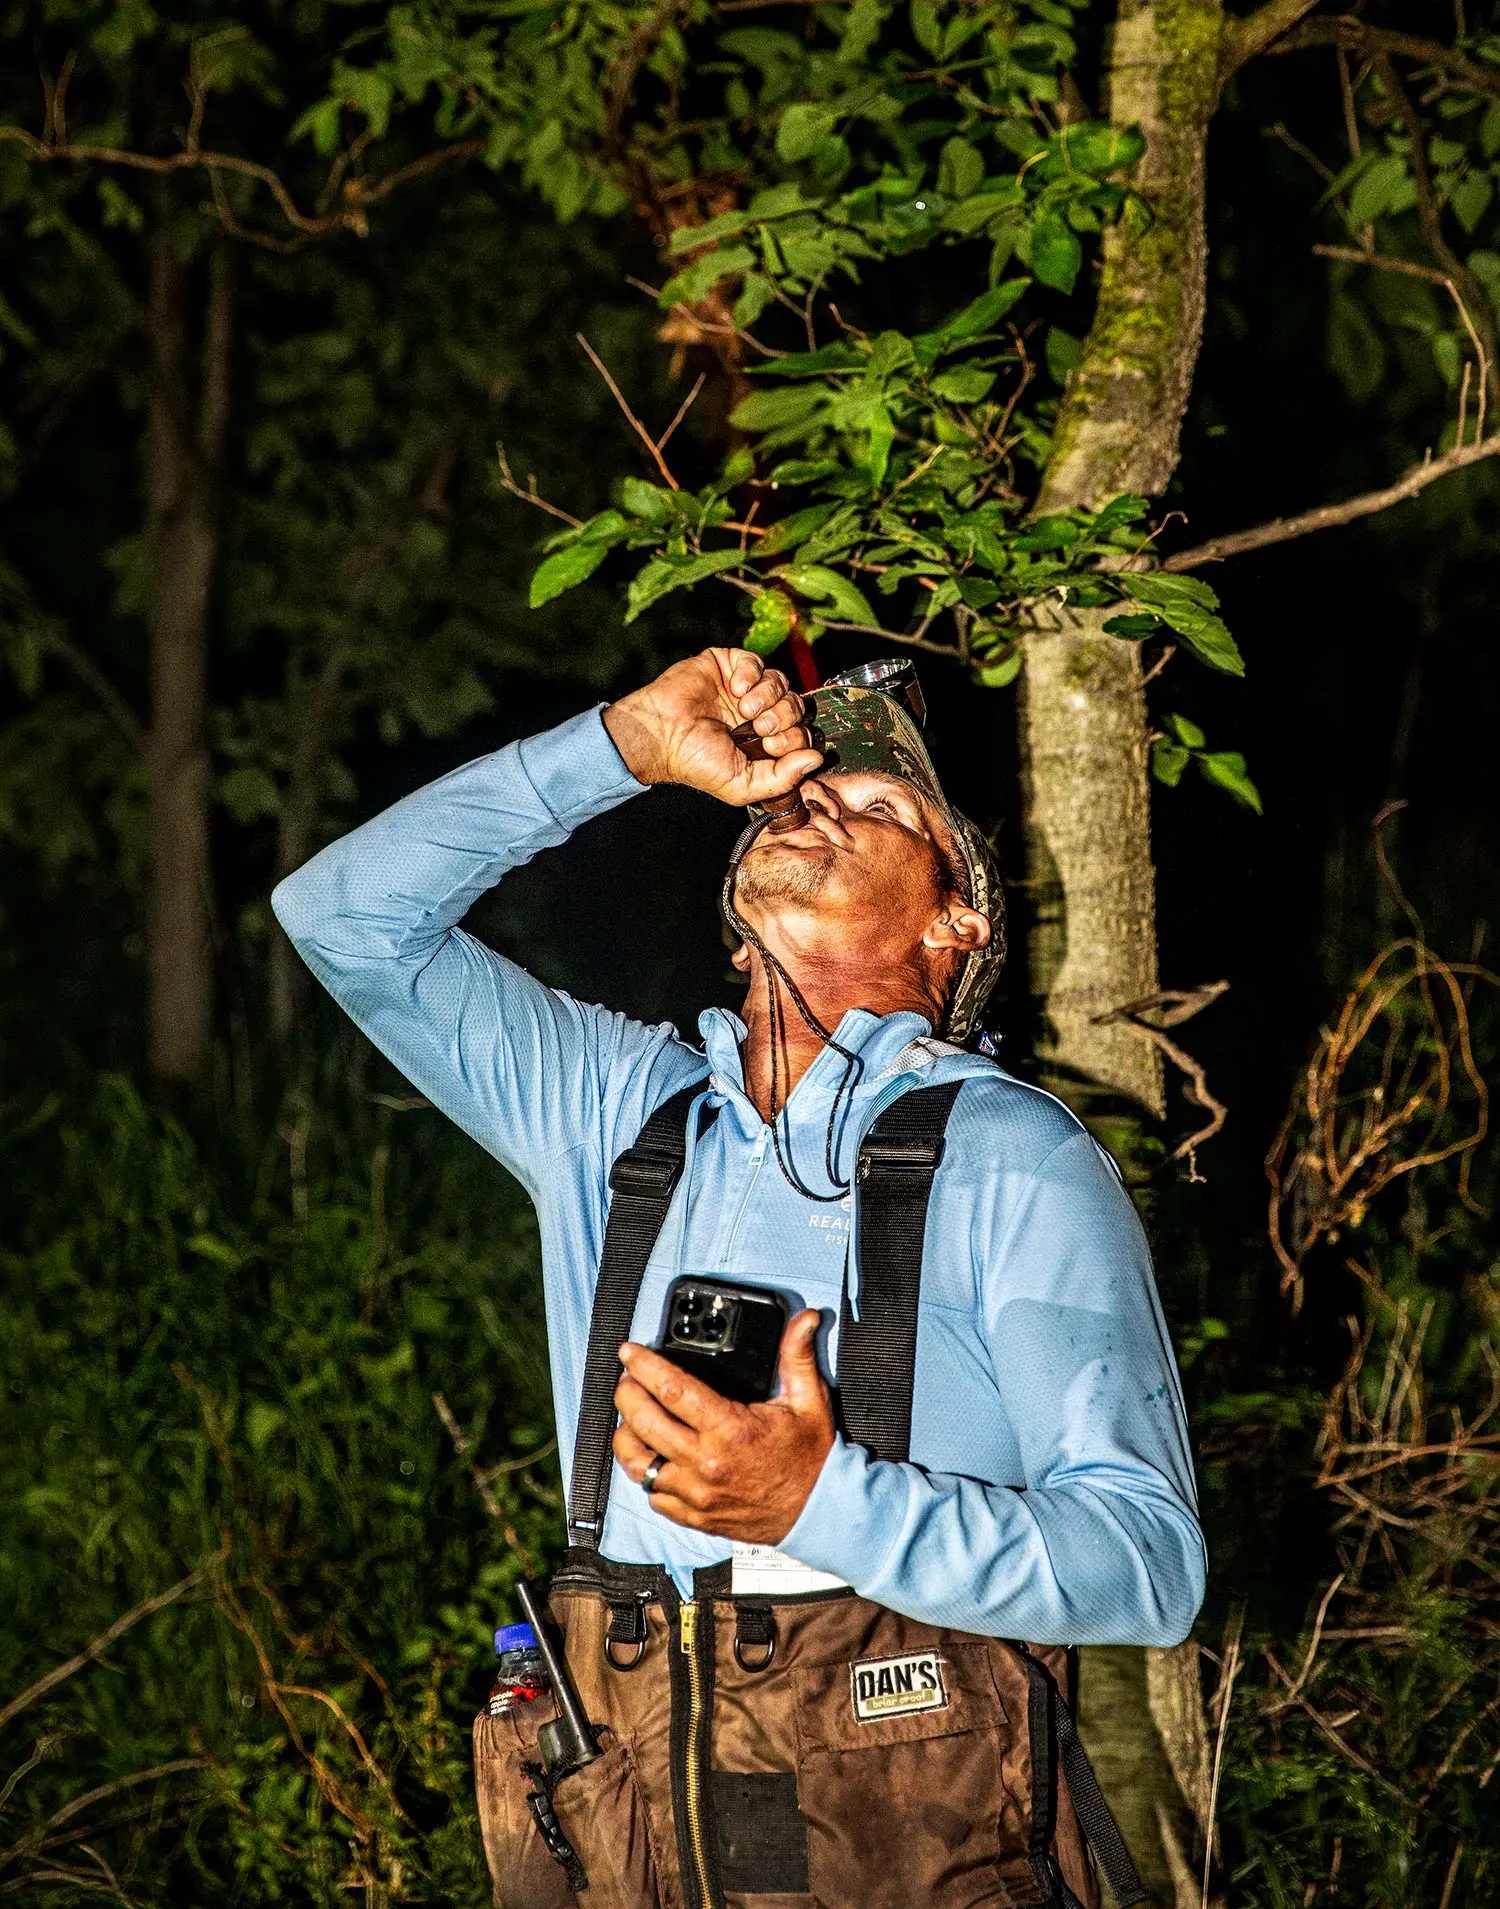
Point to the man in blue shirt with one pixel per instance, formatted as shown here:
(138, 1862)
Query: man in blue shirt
(1047, 1493)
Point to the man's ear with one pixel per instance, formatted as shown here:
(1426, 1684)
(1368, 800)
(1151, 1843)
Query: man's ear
(741, 959)
(960, 927)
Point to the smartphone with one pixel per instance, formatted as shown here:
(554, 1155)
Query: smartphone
(726, 1335)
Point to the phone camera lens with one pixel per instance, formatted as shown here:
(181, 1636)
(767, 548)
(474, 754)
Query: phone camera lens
(692, 1305)
(685, 1329)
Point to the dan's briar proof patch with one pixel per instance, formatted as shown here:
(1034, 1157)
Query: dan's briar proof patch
(884, 1687)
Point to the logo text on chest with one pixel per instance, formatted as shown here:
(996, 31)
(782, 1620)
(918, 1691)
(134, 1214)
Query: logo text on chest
(883, 1687)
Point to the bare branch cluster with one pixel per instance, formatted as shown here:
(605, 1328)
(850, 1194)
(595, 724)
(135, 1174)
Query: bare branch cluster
(1393, 1087)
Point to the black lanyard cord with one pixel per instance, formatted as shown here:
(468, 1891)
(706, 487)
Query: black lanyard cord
(853, 1063)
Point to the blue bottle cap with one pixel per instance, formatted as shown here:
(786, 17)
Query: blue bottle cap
(514, 1637)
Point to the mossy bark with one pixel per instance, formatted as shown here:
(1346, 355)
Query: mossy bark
(1084, 739)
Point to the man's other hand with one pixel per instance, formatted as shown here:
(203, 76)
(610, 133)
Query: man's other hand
(677, 728)
(738, 1471)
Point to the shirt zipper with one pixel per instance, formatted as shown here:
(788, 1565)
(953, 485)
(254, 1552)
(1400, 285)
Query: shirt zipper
(753, 1165)
(695, 1756)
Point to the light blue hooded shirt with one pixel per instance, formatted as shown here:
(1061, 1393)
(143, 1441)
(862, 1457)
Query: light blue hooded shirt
(1049, 1493)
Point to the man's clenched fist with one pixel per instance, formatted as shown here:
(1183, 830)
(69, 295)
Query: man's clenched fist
(677, 728)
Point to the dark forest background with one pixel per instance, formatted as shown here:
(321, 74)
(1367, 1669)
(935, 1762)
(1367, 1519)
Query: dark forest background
(275, 1435)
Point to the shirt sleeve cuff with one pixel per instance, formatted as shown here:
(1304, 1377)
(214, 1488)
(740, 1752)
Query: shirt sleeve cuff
(834, 1530)
(576, 769)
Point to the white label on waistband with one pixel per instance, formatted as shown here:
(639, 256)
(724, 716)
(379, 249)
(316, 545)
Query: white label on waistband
(760, 1570)
(883, 1687)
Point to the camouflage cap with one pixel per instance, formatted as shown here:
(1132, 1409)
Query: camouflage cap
(865, 729)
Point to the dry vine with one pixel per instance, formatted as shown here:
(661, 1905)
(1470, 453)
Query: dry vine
(1391, 1088)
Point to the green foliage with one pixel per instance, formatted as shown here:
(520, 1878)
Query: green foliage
(225, 1363)
(1185, 742)
(877, 135)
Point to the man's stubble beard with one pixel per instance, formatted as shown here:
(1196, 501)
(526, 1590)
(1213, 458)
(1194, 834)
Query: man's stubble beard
(768, 880)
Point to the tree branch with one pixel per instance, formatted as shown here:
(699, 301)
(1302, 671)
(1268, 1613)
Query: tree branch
(350, 215)
(1282, 530)
(1252, 34)
(1355, 36)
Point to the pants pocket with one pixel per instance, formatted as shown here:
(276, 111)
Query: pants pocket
(603, 1817)
(523, 1871)
(900, 1775)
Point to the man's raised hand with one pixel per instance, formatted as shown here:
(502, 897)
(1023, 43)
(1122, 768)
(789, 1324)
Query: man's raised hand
(676, 729)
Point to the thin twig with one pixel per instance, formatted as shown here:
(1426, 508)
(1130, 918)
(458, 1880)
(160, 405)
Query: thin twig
(635, 424)
(527, 496)
(682, 411)
(1226, 1682)
(481, 1479)
(92, 1652)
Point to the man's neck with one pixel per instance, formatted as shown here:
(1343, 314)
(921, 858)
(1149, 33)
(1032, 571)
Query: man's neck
(830, 991)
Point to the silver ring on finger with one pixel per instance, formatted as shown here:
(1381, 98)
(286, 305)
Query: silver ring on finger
(652, 1473)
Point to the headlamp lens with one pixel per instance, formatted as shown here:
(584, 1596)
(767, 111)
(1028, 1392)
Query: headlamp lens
(893, 676)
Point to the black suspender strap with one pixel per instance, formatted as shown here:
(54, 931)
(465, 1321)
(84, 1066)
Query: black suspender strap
(878, 1351)
(1054, 1734)
(643, 1180)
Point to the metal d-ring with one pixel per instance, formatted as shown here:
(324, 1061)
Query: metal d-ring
(763, 1663)
(633, 1664)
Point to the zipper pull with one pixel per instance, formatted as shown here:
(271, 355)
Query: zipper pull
(689, 1622)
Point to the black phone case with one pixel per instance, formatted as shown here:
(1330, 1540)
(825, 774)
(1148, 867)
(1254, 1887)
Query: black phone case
(745, 1371)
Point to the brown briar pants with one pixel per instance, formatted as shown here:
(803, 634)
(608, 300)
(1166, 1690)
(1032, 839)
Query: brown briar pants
(873, 1763)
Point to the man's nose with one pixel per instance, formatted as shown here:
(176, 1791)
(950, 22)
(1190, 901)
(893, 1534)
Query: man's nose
(817, 795)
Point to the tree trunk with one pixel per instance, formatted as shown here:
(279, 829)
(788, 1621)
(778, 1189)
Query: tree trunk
(183, 469)
(1084, 740)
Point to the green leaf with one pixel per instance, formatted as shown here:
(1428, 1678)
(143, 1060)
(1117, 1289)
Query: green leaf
(960, 170)
(1056, 254)
(1186, 730)
(803, 470)
(1064, 353)
(966, 384)
(695, 281)
(813, 364)
(795, 529)
(981, 315)
(1134, 628)
(1378, 188)
(882, 436)
(755, 294)
(1187, 605)
(829, 586)
(1225, 768)
(803, 129)
(261, 1420)
(769, 410)
(650, 501)
(564, 569)
(770, 622)
(1168, 760)
(320, 123)
(926, 27)
(1471, 199)
(249, 794)
(665, 574)
(999, 675)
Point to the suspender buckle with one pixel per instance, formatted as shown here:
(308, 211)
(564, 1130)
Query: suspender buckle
(642, 1172)
(898, 1157)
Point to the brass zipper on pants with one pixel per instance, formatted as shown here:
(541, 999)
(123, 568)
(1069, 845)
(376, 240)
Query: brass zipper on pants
(696, 1757)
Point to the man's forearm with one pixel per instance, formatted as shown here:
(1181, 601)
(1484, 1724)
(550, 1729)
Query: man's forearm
(1068, 1564)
